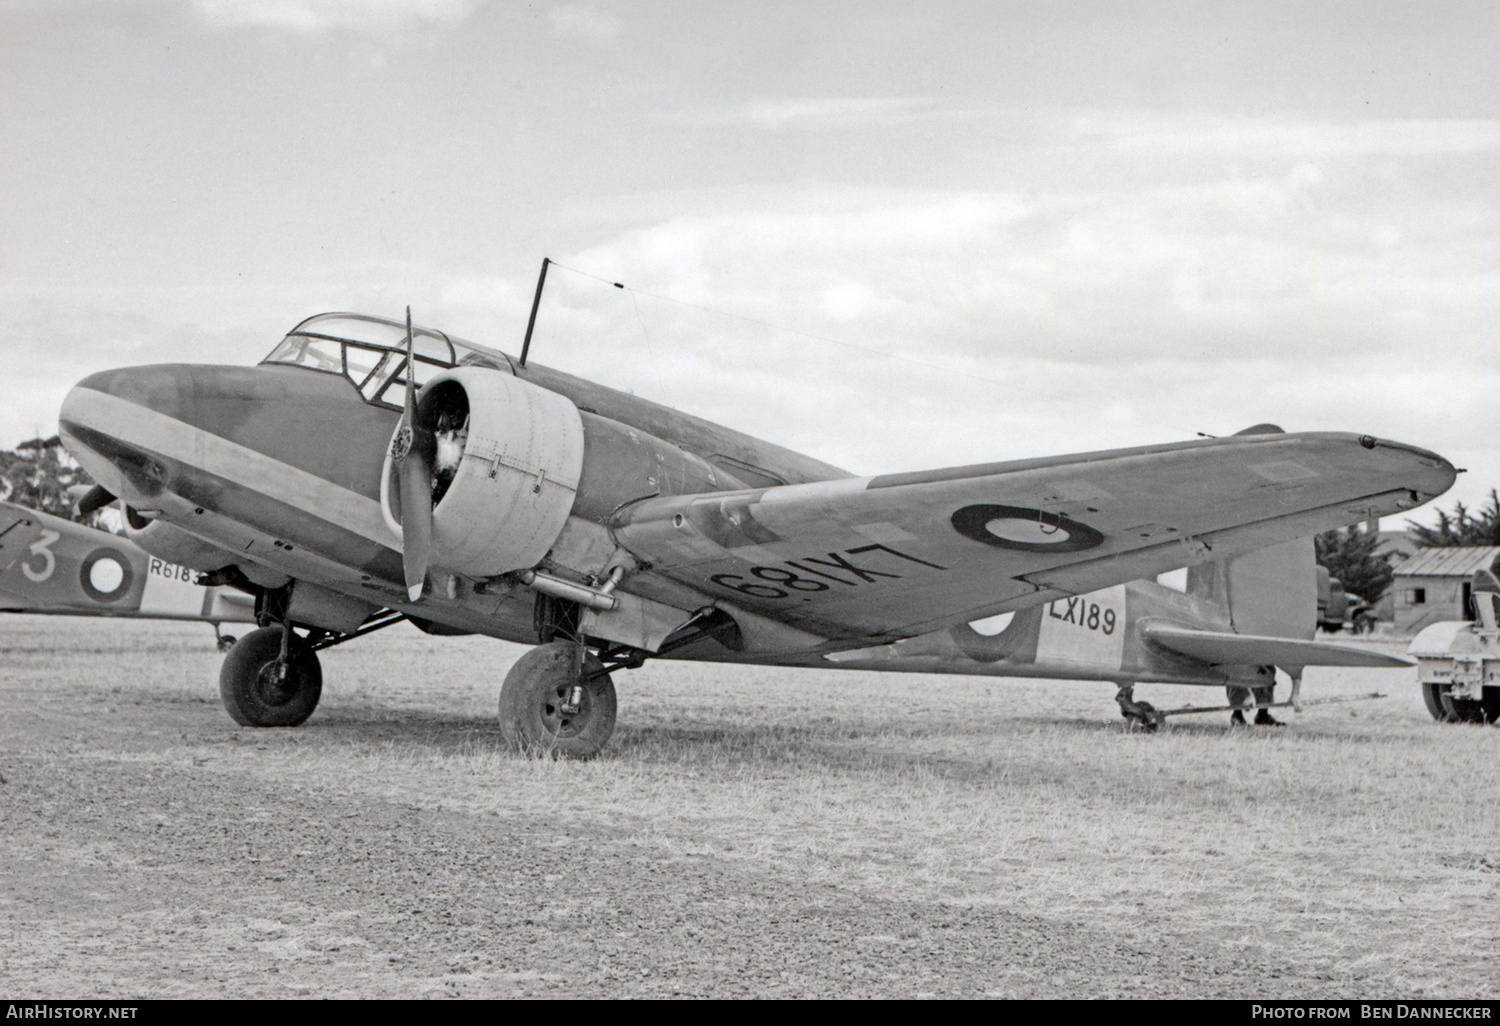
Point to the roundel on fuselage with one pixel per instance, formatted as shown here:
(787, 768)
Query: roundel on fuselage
(105, 575)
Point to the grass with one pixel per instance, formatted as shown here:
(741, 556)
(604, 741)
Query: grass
(1362, 841)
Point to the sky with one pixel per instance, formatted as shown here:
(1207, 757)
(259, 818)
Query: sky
(894, 236)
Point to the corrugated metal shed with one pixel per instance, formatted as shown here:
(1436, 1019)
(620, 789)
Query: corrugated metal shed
(1454, 562)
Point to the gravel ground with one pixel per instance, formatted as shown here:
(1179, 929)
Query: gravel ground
(138, 863)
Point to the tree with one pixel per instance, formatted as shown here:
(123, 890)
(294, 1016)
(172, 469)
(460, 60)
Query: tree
(1462, 527)
(1349, 555)
(38, 474)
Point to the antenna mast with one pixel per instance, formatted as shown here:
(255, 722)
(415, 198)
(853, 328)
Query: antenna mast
(535, 302)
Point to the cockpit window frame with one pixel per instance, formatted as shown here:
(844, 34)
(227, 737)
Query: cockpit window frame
(388, 371)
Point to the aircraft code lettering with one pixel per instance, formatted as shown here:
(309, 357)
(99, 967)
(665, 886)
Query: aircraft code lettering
(1088, 615)
(41, 547)
(776, 582)
(171, 571)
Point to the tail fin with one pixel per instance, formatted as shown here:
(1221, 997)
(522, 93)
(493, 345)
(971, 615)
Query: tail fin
(1270, 592)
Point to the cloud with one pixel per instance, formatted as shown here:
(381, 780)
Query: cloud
(584, 21)
(814, 113)
(310, 16)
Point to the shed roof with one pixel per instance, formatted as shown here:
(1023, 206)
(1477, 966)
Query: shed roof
(1449, 562)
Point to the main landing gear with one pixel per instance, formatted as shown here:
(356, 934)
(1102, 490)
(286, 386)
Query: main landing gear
(558, 700)
(271, 678)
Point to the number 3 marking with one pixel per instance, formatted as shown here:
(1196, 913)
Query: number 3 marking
(42, 547)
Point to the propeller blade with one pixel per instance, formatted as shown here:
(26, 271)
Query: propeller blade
(95, 498)
(416, 517)
(410, 412)
(416, 482)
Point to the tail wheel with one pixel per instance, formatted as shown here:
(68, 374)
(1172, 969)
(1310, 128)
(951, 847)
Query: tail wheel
(550, 704)
(1445, 708)
(1148, 719)
(260, 690)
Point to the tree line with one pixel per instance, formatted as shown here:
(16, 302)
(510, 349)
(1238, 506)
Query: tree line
(38, 473)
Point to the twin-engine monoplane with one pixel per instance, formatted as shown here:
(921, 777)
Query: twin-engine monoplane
(368, 471)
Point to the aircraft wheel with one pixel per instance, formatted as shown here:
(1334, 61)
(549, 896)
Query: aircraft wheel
(259, 692)
(226, 642)
(534, 713)
(1438, 697)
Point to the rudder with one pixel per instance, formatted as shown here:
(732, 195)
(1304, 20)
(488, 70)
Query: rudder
(1271, 592)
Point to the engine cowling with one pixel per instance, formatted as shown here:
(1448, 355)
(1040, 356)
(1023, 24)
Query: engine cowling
(509, 456)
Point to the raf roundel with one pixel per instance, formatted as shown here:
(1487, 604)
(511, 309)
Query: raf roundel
(105, 575)
(1026, 530)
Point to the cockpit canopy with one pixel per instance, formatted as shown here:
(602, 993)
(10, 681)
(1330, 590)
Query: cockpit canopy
(371, 353)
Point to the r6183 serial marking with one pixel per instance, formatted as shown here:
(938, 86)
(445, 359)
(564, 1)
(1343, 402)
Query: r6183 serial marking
(777, 582)
(171, 571)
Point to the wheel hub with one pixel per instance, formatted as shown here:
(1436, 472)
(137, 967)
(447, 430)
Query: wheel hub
(565, 712)
(274, 683)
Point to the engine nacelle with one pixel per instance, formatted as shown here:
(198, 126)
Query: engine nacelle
(506, 472)
(172, 544)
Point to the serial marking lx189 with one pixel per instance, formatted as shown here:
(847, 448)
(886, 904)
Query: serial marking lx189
(368, 471)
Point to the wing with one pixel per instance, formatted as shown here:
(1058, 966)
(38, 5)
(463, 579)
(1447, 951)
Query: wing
(894, 556)
(1219, 649)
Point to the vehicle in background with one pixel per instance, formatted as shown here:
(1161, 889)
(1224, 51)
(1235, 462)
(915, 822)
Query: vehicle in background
(1339, 610)
(1458, 661)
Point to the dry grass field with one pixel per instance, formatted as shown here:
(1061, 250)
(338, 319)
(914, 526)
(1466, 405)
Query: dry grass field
(749, 831)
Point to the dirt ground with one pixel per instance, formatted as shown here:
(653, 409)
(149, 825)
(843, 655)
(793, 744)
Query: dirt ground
(151, 849)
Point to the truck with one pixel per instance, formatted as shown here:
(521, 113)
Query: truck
(1458, 661)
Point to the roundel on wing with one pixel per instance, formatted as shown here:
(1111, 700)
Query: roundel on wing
(106, 575)
(1026, 530)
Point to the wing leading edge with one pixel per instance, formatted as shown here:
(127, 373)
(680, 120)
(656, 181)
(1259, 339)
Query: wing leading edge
(894, 556)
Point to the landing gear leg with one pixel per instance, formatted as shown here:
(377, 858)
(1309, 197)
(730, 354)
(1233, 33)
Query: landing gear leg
(557, 700)
(224, 641)
(1137, 714)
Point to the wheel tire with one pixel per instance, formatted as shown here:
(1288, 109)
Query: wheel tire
(1438, 696)
(247, 683)
(226, 642)
(531, 718)
(1491, 704)
(1433, 702)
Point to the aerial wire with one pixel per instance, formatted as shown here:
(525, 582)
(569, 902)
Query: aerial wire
(917, 361)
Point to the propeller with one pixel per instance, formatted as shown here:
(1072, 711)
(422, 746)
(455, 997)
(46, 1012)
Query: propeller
(412, 450)
(95, 498)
